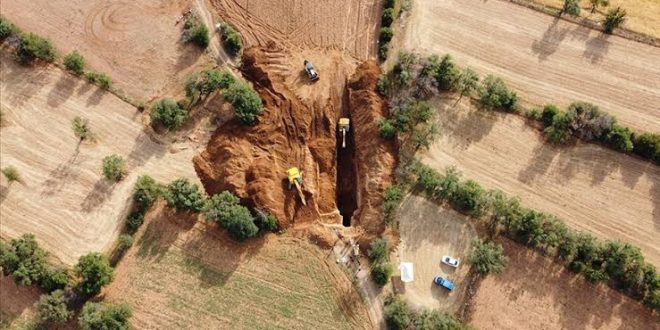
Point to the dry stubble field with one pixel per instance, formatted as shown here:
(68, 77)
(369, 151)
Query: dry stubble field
(186, 275)
(135, 42)
(64, 199)
(534, 292)
(591, 187)
(545, 59)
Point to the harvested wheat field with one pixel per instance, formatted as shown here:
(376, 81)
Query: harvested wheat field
(593, 188)
(183, 274)
(643, 15)
(547, 60)
(64, 199)
(348, 26)
(428, 232)
(534, 292)
(137, 43)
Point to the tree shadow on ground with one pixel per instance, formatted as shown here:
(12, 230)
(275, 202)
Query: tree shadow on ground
(62, 90)
(464, 123)
(25, 81)
(96, 97)
(583, 305)
(99, 193)
(550, 40)
(596, 48)
(61, 176)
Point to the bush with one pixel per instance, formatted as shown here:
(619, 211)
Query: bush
(620, 138)
(134, 221)
(102, 316)
(488, 257)
(224, 208)
(595, 275)
(168, 113)
(74, 62)
(381, 273)
(392, 198)
(571, 7)
(11, 173)
(34, 47)
(435, 320)
(53, 307)
(124, 242)
(422, 136)
(231, 39)
(246, 102)
(383, 49)
(386, 35)
(494, 94)
(447, 73)
(113, 167)
(396, 313)
(6, 29)
(549, 113)
(184, 196)
(196, 32)
(383, 85)
(586, 122)
(379, 250)
(94, 271)
(54, 279)
(388, 17)
(145, 193)
(647, 145)
(81, 129)
(613, 19)
(558, 132)
(386, 129)
(25, 260)
(469, 197)
(266, 221)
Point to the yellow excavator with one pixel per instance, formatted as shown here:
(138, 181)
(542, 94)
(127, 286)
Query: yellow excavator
(295, 179)
(344, 126)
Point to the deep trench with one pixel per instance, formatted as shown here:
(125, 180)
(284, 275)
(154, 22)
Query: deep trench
(347, 180)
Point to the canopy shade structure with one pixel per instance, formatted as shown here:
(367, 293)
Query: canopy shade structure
(406, 269)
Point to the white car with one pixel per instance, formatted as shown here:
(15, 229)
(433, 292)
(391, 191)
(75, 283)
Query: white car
(450, 261)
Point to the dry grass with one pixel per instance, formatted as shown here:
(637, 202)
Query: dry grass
(643, 15)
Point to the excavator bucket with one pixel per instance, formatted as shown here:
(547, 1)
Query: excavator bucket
(344, 126)
(295, 179)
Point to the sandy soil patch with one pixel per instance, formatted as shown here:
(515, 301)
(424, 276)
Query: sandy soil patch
(591, 187)
(136, 42)
(545, 59)
(16, 303)
(428, 232)
(187, 275)
(534, 292)
(64, 199)
(347, 25)
(643, 15)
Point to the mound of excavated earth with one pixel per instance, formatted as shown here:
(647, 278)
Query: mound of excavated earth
(251, 161)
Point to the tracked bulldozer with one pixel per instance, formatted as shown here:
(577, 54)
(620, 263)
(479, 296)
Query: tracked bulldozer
(295, 179)
(344, 126)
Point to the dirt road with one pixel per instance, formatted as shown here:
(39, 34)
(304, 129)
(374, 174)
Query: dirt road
(593, 188)
(137, 43)
(534, 292)
(429, 232)
(64, 199)
(545, 59)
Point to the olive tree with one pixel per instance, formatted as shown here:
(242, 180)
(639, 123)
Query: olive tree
(598, 3)
(613, 19)
(571, 7)
(184, 196)
(74, 62)
(94, 271)
(168, 113)
(114, 168)
(104, 316)
(53, 307)
(245, 100)
(487, 257)
(81, 129)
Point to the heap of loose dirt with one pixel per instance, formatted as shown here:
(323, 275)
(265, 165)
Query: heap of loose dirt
(251, 161)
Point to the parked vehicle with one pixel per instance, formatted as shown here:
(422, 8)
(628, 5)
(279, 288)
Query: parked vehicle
(450, 261)
(443, 282)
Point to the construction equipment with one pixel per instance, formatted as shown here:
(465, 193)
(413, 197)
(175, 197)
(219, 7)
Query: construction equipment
(311, 72)
(344, 126)
(295, 179)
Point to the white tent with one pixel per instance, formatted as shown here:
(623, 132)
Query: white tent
(406, 269)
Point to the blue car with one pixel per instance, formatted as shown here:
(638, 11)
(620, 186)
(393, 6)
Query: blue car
(445, 283)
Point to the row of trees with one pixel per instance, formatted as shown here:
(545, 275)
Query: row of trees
(619, 264)
(612, 20)
(585, 121)
(399, 316)
(386, 33)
